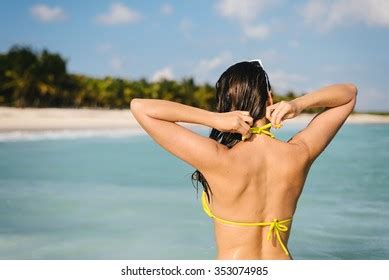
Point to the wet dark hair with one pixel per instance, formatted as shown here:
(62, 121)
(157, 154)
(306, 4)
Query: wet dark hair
(243, 86)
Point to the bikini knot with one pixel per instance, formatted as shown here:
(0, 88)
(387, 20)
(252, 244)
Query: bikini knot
(280, 226)
(274, 228)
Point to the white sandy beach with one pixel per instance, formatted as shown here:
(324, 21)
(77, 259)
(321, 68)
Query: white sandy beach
(32, 119)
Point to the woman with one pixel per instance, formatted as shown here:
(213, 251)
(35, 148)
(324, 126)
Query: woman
(251, 187)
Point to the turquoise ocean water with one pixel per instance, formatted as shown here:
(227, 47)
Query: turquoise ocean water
(117, 195)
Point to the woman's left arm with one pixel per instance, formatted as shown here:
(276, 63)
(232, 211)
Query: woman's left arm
(158, 118)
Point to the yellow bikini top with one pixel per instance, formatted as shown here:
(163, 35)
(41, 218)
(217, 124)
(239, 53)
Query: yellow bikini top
(265, 129)
(275, 226)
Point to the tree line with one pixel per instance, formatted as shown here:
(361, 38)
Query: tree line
(30, 78)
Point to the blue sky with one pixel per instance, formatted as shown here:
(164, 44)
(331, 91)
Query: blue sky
(303, 44)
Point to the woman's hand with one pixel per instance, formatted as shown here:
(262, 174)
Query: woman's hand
(235, 122)
(282, 110)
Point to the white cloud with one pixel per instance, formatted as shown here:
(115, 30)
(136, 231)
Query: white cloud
(116, 63)
(243, 10)
(259, 31)
(119, 14)
(164, 73)
(313, 10)
(166, 9)
(327, 14)
(104, 48)
(45, 13)
(208, 65)
(186, 26)
(209, 69)
(246, 13)
(282, 81)
(268, 57)
(272, 56)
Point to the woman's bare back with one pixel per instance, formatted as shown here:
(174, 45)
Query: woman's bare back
(262, 181)
(257, 180)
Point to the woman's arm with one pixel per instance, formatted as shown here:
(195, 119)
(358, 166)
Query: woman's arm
(328, 97)
(339, 101)
(159, 117)
(173, 111)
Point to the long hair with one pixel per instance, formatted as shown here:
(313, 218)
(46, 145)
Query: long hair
(243, 86)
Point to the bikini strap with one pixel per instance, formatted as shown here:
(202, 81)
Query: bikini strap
(265, 129)
(274, 227)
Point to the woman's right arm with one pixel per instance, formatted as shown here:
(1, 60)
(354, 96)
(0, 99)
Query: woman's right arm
(339, 101)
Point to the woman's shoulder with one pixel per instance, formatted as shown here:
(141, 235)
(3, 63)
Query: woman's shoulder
(268, 153)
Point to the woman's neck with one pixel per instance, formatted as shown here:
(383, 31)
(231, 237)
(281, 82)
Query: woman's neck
(260, 122)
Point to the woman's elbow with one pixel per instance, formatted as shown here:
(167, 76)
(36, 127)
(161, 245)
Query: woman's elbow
(135, 104)
(353, 88)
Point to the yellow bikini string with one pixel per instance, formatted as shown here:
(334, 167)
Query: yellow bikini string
(265, 129)
(275, 226)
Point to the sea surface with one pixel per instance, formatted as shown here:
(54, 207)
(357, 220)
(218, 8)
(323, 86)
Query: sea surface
(115, 194)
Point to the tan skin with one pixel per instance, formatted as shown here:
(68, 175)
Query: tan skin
(259, 179)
